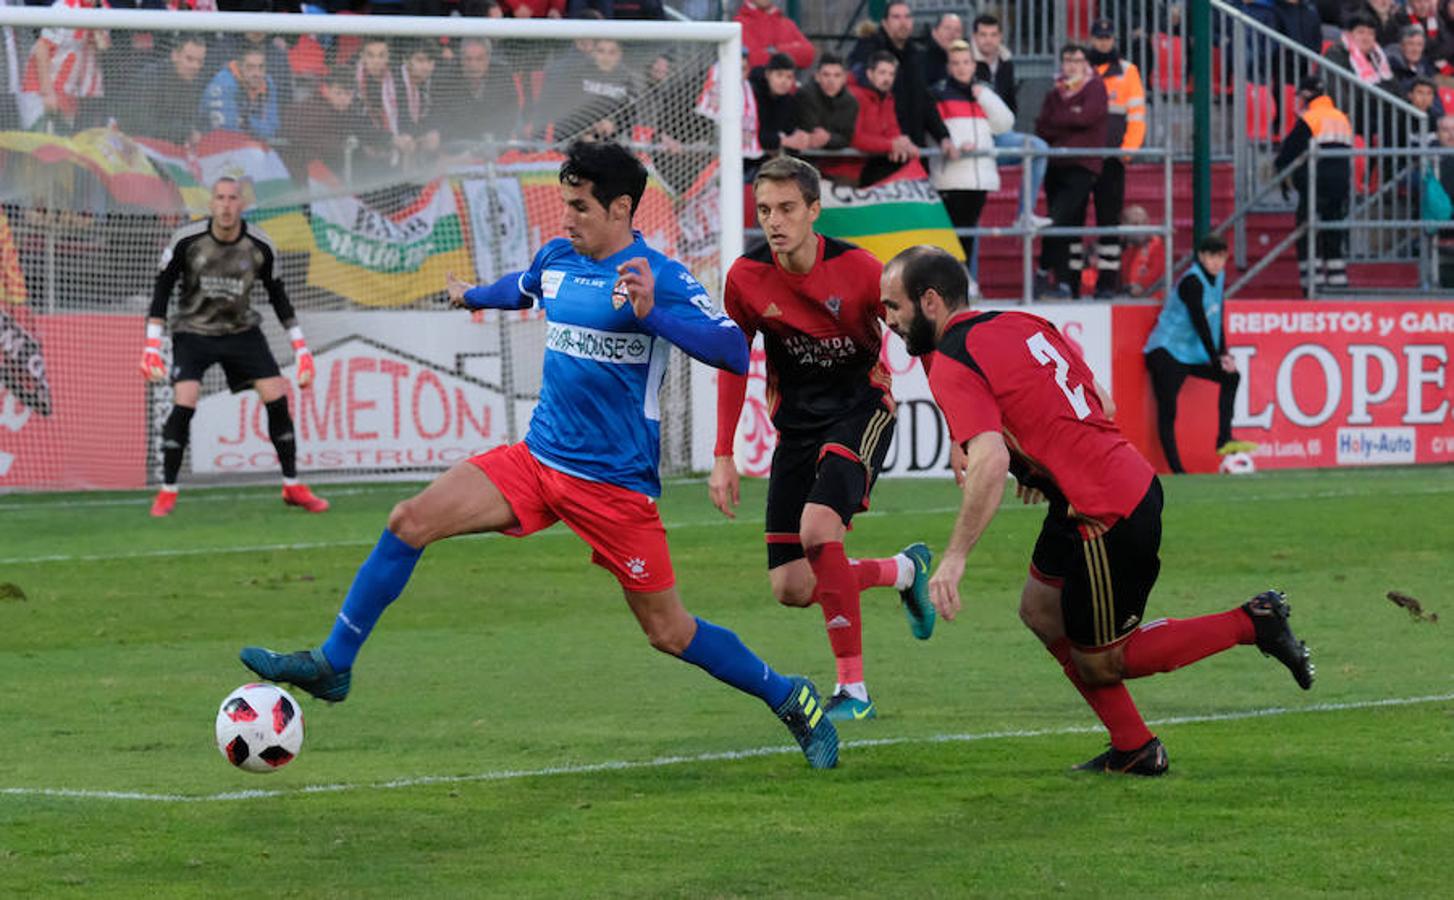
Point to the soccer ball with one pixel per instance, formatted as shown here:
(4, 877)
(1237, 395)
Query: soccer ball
(259, 728)
(1237, 464)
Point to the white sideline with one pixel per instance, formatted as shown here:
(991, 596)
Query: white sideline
(728, 755)
(1010, 506)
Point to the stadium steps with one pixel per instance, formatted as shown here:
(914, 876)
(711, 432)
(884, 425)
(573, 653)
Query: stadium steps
(1000, 258)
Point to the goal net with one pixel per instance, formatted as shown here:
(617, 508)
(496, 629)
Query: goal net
(377, 153)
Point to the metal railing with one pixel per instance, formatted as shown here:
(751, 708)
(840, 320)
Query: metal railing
(1265, 69)
(1025, 231)
(1405, 234)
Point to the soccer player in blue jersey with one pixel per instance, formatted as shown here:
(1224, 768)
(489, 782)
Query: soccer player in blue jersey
(590, 458)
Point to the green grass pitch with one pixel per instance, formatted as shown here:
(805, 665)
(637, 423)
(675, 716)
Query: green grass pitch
(510, 733)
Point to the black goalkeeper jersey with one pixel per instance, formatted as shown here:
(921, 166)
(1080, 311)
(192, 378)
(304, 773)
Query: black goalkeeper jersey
(216, 281)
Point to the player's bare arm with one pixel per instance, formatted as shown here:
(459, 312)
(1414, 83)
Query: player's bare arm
(454, 288)
(988, 462)
(957, 462)
(1028, 495)
(638, 284)
(1107, 402)
(724, 485)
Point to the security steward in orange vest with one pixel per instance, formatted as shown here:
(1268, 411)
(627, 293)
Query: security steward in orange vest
(1322, 123)
(1127, 130)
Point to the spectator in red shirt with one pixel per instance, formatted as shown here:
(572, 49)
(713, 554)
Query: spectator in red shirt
(617, 9)
(533, 9)
(1144, 262)
(765, 31)
(877, 131)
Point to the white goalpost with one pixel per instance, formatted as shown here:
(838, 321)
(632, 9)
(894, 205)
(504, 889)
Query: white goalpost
(376, 153)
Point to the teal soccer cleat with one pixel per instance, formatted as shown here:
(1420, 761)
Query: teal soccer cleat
(306, 669)
(844, 707)
(915, 597)
(808, 721)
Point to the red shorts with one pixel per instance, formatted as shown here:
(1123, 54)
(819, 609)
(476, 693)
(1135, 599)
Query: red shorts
(622, 526)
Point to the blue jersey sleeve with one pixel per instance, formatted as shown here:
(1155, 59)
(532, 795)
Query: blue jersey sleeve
(532, 280)
(503, 294)
(684, 314)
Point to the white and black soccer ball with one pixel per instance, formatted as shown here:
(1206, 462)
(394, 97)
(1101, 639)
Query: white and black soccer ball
(1237, 464)
(259, 728)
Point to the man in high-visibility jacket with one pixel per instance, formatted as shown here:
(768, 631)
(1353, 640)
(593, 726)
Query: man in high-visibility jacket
(1127, 130)
(1321, 123)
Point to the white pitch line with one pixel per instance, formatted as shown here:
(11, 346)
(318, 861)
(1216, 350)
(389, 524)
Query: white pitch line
(1010, 506)
(721, 756)
(232, 495)
(195, 495)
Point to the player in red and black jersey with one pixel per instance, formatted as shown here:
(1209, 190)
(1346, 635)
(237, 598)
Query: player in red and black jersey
(815, 300)
(1019, 399)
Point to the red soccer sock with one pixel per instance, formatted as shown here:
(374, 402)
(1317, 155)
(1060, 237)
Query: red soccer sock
(837, 594)
(1112, 704)
(1168, 644)
(875, 572)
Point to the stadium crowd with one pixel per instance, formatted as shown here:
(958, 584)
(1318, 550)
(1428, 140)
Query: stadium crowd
(937, 95)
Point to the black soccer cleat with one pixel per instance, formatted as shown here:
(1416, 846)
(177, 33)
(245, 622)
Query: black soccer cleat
(1269, 611)
(1148, 760)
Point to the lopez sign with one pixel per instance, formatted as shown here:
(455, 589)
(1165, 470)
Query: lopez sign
(1344, 383)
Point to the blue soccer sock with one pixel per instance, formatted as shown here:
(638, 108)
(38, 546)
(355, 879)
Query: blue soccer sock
(378, 583)
(723, 655)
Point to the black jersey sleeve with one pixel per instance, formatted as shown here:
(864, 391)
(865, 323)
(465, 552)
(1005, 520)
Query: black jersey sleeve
(161, 293)
(273, 281)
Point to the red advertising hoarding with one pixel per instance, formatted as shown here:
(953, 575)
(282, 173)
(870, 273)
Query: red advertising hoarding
(1323, 384)
(72, 402)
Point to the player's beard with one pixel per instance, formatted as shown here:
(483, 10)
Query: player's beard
(919, 337)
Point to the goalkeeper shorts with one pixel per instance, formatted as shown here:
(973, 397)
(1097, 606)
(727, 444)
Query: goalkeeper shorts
(245, 357)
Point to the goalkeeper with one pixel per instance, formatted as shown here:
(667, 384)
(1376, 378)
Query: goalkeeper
(217, 260)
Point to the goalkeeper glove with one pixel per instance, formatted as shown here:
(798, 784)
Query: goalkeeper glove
(153, 367)
(302, 356)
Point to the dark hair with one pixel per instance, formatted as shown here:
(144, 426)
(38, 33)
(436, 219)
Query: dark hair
(1070, 48)
(1360, 20)
(339, 76)
(878, 58)
(1212, 243)
(924, 267)
(1423, 81)
(829, 59)
(611, 169)
(790, 168)
(196, 37)
(892, 3)
(986, 19)
(781, 62)
(422, 45)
